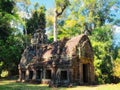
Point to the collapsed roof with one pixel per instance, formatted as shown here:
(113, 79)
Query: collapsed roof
(65, 49)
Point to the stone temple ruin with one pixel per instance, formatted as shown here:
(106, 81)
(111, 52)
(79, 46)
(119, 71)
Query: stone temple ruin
(65, 62)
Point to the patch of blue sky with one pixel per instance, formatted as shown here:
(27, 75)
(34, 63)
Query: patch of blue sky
(46, 3)
(24, 11)
(116, 35)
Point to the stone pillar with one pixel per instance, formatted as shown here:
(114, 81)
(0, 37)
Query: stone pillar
(44, 73)
(41, 74)
(53, 75)
(34, 74)
(27, 75)
(68, 75)
(23, 76)
(89, 73)
(71, 75)
(92, 74)
(58, 75)
(81, 73)
(20, 75)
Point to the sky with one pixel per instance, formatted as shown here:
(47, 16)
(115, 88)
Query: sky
(46, 3)
(116, 35)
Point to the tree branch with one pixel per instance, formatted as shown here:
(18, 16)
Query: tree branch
(62, 10)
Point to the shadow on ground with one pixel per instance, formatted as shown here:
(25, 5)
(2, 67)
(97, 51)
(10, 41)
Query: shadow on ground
(9, 85)
(13, 85)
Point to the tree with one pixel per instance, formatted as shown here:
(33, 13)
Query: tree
(116, 66)
(7, 15)
(24, 13)
(10, 54)
(84, 16)
(116, 69)
(103, 53)
(11, 43)
(60, 7)
(36, 21)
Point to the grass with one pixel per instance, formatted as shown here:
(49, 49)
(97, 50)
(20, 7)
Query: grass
(12, 85)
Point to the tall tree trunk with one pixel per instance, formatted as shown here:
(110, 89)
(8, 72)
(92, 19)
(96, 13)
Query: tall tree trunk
(57, 14)
(55, 26)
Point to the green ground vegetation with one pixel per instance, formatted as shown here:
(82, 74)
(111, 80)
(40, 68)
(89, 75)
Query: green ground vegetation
(12, 85)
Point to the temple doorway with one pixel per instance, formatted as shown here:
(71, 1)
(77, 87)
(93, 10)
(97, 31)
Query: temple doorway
(38, 74)
(31, 75)
(63, 75)
(48, 74)
(85, 73)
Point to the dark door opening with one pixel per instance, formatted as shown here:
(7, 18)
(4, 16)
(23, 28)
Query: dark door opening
(38, 74)
(23, 74)
(48, 74)
(30, 74)
(85, 73)
(63, 75)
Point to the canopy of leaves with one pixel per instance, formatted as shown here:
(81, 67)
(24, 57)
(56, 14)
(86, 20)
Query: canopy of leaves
(6, 16)
(36, 21)
(11, 43)
(84, 16)
(102, 45)
(116, 68)
(61, 4)
(10, 53)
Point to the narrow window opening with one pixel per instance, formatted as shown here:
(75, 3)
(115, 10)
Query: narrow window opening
(63, 75)
(31, 75)
(48, 74)
(38, 74)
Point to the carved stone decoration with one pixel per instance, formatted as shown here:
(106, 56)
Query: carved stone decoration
(67, 62)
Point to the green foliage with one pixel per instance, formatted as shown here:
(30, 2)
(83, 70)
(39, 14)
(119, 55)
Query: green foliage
(4, 73)
(11, 43)
(4, 6)
(102, 44)
(85, 16)
(26, 2)
(116, 69)
(10, 53)
(60, 4)
(49, 18)
(117, 22)
(36, 21)
(6, 16)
